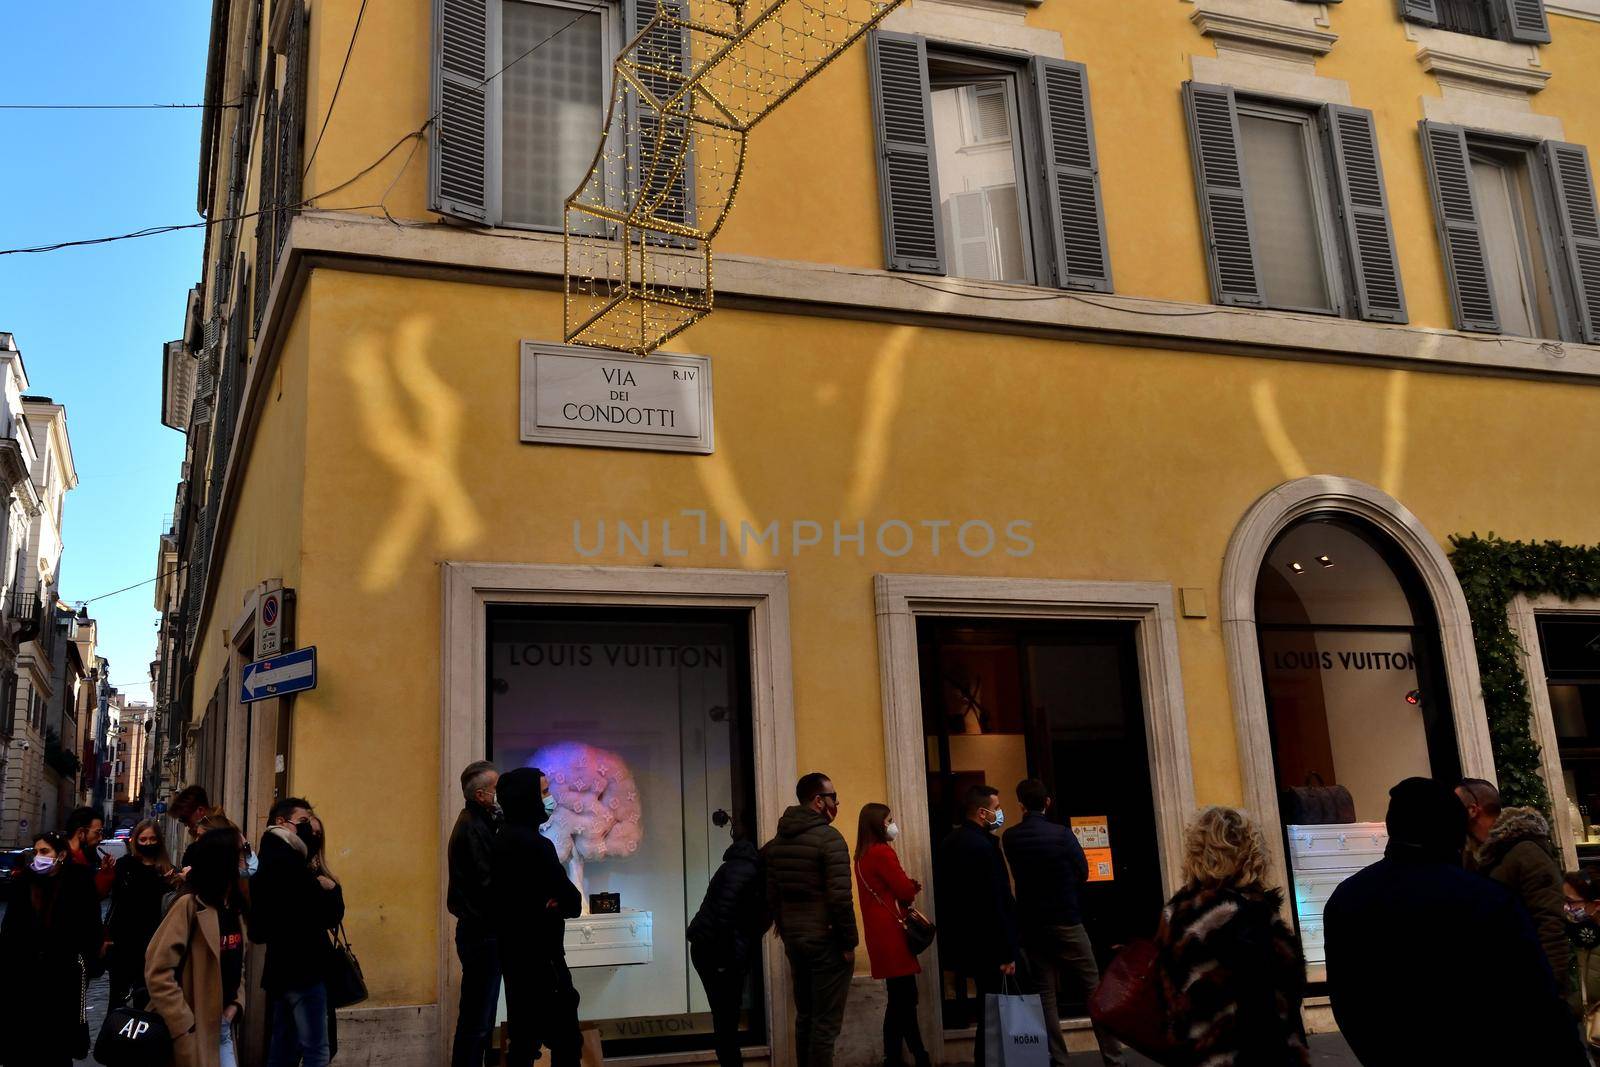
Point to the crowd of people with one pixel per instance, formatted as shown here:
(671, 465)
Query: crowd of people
(171, 937)
(1468, 888)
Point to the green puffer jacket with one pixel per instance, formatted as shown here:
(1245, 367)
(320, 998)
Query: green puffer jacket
(1520, 856)
(808, 884)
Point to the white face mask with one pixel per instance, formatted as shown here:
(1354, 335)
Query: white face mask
(891, 831)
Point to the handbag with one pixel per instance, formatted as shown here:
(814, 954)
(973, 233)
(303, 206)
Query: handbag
(131, 1037)
(344, 981)
(917, 927)
(1316, 804)
(1129, 1004)
(1014, 1033)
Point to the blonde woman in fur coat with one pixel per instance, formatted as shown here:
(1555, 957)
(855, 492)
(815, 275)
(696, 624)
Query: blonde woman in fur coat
(1230, 968)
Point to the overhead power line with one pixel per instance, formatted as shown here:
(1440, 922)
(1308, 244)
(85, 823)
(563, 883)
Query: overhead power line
(333, 103)
(110, 107)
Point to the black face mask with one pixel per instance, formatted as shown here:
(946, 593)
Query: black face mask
(151, 850)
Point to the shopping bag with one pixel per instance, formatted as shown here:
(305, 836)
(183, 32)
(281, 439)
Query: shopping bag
(1013, 1031)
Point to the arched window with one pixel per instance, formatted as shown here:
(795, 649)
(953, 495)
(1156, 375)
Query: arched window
(1355, 697)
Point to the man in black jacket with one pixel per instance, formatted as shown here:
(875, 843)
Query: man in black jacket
(724, 936)
(808, 891)
(468, 901)
(977, 916)
(1048, 865)
(292, 908)
(530, 899)
(1408, 934)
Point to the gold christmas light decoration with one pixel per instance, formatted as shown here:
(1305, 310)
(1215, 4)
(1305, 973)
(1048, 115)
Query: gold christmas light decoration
(685, 93)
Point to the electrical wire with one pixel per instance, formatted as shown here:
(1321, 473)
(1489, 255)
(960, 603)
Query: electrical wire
(333, 103)
(112, 107)
(135, 585)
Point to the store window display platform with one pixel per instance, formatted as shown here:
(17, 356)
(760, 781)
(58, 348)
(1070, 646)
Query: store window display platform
(617, 940)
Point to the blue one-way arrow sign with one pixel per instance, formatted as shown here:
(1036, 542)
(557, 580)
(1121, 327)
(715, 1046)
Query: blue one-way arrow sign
(279, 676)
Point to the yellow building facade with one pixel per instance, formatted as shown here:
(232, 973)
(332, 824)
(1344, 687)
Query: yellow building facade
(937, 526)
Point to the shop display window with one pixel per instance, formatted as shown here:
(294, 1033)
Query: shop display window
(1349, 656)
(1060, 701)
(1570, 645)
(641, 719)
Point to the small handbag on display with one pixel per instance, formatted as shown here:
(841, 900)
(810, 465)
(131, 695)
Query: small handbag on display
(344, 981)
(917, 927)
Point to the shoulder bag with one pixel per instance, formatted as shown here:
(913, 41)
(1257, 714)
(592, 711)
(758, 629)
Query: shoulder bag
(1129, 1004)
(345, 983)
(917, 927)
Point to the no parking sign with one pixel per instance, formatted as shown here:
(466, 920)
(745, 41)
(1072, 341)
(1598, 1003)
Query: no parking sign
(269, 628)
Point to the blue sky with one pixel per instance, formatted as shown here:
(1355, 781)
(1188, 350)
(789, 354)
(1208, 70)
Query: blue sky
(91, 321)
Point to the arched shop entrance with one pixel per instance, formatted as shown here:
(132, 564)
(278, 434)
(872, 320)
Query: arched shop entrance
(1352, 668)
(1349, 659)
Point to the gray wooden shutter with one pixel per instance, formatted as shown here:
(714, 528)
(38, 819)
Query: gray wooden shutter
(669, 177)
(266, 207)
(1224, 203)
(908, 184)
(458, 145)
(1525, 20)
(1072, 175)
(1364, 213)
(1425, 12)
(1460, 234)
(291, 124)
(1578, 224)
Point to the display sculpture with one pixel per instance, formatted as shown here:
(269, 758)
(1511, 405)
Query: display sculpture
(597, 814)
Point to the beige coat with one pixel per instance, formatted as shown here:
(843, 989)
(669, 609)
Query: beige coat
(183, 970)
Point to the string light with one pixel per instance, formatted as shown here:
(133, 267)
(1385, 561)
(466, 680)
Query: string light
(685, 93)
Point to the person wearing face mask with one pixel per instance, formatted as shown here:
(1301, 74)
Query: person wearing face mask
(1048, 865)
(530, 900)
(808, 893)
(468, 900)
(978, 920)
(886, 892)
(49, 936)
(292, 910)
(724, 936)
(143, 878)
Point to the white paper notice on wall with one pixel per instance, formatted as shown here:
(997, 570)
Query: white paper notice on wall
(660, 402)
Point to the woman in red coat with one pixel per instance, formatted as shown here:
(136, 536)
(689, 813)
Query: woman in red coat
(885, 893)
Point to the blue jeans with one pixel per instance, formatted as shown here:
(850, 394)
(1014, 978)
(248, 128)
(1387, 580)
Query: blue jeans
(300, 1027)
(480, 996)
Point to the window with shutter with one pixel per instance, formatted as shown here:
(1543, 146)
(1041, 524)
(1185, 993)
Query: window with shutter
(902, 111)
(1293, 205)
(266, 204)
(291, 120)
(1444, 148)
(508, 152)
(987, 166)
(1370, 257)
(1578, 230)
(1214, 140)
(1072, 175)
(1504, 20)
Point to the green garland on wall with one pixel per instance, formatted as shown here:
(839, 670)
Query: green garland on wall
(1493, 571)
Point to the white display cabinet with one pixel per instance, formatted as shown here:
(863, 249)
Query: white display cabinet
(616, 940)
(1321, 857)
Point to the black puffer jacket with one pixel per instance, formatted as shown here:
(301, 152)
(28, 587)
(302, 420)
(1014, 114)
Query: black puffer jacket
(734, 914)
(808, 884)
(1233, 977)
(1520, 856)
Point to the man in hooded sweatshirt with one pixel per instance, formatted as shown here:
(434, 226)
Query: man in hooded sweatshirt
(809, 894)
(1411, 936)
(292, 908)
(530, 899)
